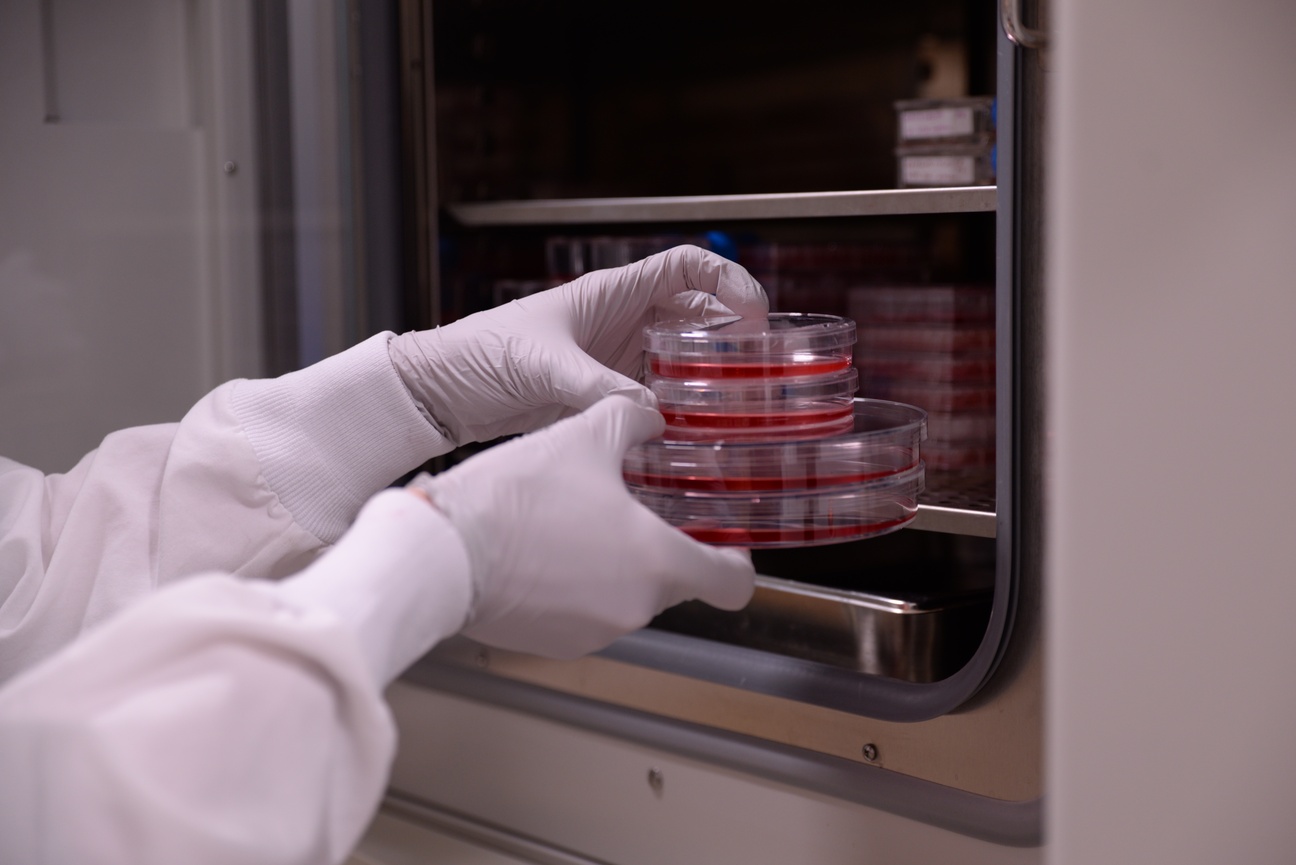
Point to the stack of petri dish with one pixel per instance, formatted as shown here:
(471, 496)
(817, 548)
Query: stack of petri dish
(766, 444)
(934, 347)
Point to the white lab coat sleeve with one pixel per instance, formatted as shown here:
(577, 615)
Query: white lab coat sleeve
(255, 480)
(223, 720)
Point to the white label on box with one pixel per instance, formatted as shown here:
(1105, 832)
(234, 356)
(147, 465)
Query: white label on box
(937, 170)
(935, 123)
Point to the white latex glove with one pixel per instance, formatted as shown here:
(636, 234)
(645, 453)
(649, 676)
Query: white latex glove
(563, 559)
(523, 365)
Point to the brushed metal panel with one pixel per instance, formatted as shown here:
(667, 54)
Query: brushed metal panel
(694, 208)
(989, 747)
(588, 791)
(913, 637)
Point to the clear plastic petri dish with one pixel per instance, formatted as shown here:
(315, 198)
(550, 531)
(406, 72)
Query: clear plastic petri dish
(883, 440)
(801, 518)
(783, 345)
(815, 405)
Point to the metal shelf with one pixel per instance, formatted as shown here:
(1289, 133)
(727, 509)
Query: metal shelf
(955, 521)
(694, 208)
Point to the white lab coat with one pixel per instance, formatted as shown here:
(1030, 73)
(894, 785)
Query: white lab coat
(151, 715)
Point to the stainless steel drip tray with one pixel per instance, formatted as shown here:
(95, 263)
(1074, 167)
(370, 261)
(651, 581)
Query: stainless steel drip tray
(915, 637)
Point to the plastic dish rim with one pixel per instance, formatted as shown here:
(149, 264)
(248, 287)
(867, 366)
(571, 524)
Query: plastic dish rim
(833, 333)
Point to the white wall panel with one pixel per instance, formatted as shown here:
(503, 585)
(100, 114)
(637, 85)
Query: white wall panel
(1171, 581)
(122, 239)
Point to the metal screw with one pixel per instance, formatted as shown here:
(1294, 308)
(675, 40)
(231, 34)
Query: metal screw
(655, 780)
(231, 167)
(483, 659)
(870, 752)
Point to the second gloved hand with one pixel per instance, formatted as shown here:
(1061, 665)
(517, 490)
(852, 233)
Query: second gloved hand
(563, 559)
(523, 365)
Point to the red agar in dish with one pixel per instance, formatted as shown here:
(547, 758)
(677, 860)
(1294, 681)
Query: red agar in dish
(755, 484)
(710, 371)
(747, 420)
(808, 534)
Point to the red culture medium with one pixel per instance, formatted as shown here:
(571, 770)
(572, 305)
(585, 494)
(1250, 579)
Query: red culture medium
(747, 485)
(724, 420)
(711, 371)
(802, 536)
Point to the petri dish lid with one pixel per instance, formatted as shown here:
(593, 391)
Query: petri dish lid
(796, 518)
(782, 335)
(884, 441)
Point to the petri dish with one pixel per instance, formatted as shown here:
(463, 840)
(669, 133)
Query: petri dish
(756, 426)
(813, 405)
(883, 440)
(800, 518)
(922, 367)
(782, 345)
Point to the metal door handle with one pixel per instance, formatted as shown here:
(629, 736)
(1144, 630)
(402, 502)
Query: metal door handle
(1026, 37)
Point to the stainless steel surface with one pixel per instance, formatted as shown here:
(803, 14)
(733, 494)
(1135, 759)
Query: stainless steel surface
(915, 638)
(693, 208)
(958, 503)
(1026, 37)
(870, 752)
(987, 748)
(955, 521)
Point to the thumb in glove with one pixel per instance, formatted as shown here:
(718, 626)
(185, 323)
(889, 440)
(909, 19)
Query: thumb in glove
(563, 559)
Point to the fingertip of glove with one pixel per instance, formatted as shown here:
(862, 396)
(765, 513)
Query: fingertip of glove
(638, 394)
(739, 290)
(630, 422)
(736, 579)
(723, 577)
(694, 304)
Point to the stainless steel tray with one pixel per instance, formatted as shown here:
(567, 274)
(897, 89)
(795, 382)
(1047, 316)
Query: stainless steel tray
(913, 637)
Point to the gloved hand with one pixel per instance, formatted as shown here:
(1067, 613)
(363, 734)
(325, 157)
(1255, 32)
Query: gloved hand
(563, 559)
(523, 365)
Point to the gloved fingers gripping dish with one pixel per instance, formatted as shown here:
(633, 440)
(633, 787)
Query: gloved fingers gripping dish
(563, 559)
(502, 372)
(700, 270)
(692, 305)
(613, 306)
(523, 365)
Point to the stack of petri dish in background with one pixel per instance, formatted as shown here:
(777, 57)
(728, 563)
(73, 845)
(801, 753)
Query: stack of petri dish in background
(766, 444)
(934, 347)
